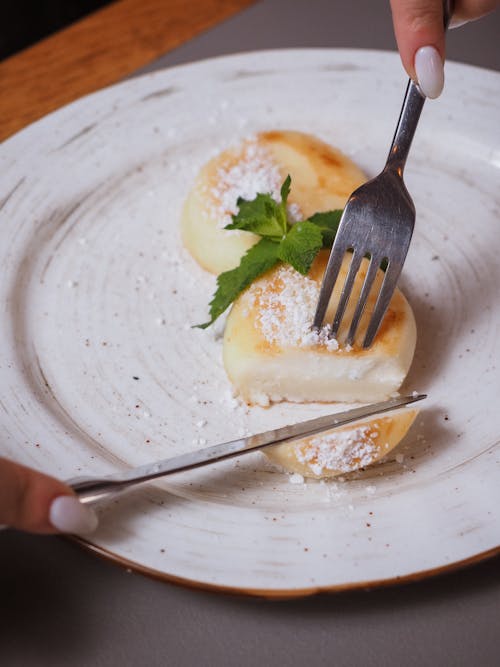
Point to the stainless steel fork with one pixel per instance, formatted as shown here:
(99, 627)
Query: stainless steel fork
(377, 221)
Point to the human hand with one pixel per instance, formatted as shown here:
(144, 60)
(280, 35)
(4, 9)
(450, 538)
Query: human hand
(419, 29)
(37, 503)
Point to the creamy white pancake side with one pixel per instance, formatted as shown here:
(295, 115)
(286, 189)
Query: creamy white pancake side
(322, 180)
(271, 354)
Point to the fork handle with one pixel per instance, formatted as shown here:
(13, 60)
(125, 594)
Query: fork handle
(410, 113)
(405, 129)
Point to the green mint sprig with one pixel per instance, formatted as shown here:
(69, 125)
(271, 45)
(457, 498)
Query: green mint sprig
(296, 244)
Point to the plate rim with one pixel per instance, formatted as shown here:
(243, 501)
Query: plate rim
(281, 593)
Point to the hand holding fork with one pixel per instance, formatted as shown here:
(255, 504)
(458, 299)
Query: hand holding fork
(377, 222)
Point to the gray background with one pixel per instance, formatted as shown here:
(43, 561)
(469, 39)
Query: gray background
(62, 606)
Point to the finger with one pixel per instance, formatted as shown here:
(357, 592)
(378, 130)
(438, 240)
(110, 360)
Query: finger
(419, 29)
(37, 503)
(470, 10)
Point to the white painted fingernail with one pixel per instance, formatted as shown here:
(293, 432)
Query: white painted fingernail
(68, 515)
(455, 22)
(429, 69)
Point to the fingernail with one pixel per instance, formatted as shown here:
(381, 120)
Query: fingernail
(430, 71)
(68, 515)
(455, 22)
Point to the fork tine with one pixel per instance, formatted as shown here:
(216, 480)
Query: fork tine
(384, 297)
(346, 291)
(329, 280)
(365, 291)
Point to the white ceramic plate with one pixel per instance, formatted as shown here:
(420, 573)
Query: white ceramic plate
(100, 369)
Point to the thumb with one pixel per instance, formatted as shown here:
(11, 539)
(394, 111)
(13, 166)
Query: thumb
(419, 29)
(37, 503)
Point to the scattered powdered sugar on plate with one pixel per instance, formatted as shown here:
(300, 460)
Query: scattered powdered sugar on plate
(342, 451)
(287, 310)
(253, 172)
(295, 478)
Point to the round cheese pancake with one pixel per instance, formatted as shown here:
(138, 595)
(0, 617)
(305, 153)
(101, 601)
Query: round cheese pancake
(344, 449)
(271, 354)
(322, 180)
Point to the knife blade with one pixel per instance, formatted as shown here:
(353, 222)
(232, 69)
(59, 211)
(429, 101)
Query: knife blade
(92, 489)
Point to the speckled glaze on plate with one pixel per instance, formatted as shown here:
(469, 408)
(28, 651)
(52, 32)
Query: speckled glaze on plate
(100, 368)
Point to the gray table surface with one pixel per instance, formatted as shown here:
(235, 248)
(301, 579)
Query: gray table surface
(60, 605)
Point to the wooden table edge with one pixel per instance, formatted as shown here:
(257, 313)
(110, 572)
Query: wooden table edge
(97, 51)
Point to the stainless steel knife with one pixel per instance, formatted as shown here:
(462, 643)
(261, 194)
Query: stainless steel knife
(92, 489)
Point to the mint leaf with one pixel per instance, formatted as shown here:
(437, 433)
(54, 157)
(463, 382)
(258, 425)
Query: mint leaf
(328, 223)
(301, 245)
(261, 215)
(258, 259)
(285, 190)
(296, 244)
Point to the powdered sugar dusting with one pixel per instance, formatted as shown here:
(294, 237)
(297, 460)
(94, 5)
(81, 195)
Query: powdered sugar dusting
(286, 311)
(295, 478)
(252, 173)
(294, 212)
(342, 451)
